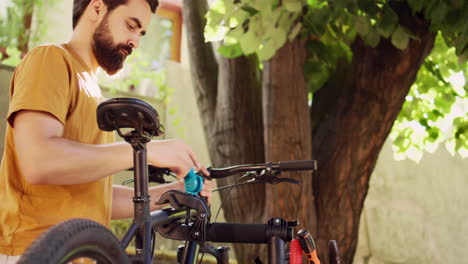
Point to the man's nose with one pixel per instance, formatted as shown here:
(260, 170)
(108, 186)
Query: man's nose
(134, 42)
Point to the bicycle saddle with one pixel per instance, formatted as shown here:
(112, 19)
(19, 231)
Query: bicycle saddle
(116, 113)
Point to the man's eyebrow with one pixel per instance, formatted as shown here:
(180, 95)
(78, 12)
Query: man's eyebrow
(137, 21)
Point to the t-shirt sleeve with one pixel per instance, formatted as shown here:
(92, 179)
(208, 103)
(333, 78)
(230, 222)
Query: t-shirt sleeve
(41, 83)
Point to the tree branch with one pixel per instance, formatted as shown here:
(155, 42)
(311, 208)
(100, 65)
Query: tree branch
(204, 67)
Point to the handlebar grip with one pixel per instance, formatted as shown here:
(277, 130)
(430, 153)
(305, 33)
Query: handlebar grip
(193, 182)
(297, 165)
(236, 233)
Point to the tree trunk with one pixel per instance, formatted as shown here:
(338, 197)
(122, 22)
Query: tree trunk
(25, 31)
(287, 133)
(352, 117)
(232, 118)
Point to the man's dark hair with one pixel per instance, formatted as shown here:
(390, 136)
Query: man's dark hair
(79, 6)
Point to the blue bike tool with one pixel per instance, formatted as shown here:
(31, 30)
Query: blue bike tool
(193, 182)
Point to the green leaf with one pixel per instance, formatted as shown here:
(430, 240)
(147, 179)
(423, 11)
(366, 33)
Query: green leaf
(214, 17)
(362, 25)
(372, 38)
(278, 39)
(238, 17)
(235, 33)
(431, 67)
(293, 5)
(314, 3)
(295, 31)
(369, 6)
(400, 38)
(215, 33)
(317, 74)
(443, 104)
(266, 52)
(250, 10)
(262, 6)
(249, 42)
(416, 5)
(433, 134)
(387, 23)
(230, 51)
(439, 12)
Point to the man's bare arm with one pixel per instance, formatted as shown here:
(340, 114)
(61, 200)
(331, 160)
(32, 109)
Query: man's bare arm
(45, 157)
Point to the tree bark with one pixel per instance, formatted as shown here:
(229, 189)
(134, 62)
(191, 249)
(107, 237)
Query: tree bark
(203, 65)
(231, 111)
(25, 31)
(287, 133)
(352, 117)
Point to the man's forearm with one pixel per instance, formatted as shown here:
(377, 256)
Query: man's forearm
(63, 162)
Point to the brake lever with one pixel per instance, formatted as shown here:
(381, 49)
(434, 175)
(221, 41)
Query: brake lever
(274, 180)
(271, 177)
(280, 180)
(155, 174)
(261, 179)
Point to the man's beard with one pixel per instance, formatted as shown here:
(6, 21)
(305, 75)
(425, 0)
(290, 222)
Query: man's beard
(108, 55)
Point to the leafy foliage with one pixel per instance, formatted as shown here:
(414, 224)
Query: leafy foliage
(11, 22)
(14, 34)
(260, 26)
(14, 57)
(436, 108)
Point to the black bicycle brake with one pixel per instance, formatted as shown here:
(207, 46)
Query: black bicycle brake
(272, 178)
(155, 174)
(181, 200)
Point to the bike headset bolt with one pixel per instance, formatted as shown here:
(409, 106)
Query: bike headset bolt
(277, 220)
(196, 233)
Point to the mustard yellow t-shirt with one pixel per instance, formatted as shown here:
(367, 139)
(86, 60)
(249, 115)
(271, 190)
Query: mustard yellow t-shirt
(52, 79)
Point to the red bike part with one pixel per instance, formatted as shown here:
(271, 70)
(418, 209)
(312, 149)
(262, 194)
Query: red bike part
(295, 252)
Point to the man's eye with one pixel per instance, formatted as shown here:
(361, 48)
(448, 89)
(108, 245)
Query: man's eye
(130, 27)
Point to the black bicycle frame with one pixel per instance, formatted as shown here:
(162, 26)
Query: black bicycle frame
(275, 234)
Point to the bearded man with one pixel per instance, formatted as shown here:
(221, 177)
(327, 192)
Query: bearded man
(57, 163)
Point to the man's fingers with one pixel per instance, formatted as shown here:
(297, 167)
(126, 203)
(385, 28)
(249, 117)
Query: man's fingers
(206, 194)
(203, 169)
(194, 158)
(210, 184)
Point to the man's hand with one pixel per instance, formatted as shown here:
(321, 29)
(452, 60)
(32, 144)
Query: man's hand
(207, 190)
(173, 154)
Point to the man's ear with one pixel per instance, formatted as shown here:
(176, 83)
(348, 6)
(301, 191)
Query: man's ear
(97, 10)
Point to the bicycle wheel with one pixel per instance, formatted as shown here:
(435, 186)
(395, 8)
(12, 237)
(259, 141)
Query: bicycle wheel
(73, 240)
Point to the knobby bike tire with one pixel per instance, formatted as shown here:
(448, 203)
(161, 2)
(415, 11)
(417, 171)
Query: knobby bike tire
(72, 239)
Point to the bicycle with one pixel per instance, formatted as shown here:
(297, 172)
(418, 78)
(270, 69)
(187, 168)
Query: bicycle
(188, 218)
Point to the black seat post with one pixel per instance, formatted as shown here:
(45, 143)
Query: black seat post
(118, 113)
(140, 166)
(141, 198)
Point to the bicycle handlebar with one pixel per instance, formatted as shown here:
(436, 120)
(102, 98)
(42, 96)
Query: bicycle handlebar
(194, 181)
(294, 165)
(236, 233)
